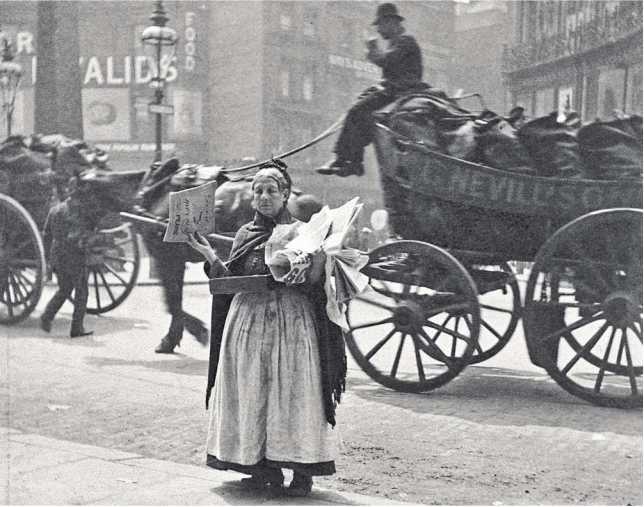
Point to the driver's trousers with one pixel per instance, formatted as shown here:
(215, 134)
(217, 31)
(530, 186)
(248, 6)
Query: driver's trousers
(68, 281)
(357, 131)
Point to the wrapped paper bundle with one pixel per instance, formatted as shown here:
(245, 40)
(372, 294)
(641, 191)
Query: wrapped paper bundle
(293, 247)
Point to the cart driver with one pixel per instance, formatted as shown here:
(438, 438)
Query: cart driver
(69, 229)
(402, 70)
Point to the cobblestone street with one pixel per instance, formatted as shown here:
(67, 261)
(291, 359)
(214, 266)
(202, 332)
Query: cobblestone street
(493, 435)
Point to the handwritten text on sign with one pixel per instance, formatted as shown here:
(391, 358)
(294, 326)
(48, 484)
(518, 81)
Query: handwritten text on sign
(191, 210)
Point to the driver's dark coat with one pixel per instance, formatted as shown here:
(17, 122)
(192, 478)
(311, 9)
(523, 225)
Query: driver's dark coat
(66, 234)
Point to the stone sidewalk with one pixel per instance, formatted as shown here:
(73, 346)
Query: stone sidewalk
(40, 470)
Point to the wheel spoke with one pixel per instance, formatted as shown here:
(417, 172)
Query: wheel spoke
(637, 332)
(380, 344)
(118, 258)
(572, 327)
(107, 286)
(419, 363)
(602, 368)
(96, 290)
(496, 309)
(17, 291)
(454, 307)
(452, 353)
(620, 351)
(435, 350)
(629, 364)
(448, 331)
(587, 347)
(9, 301)
(394, 367)
(371, 324)
(442, 325)
(491, 329)
(19, 283)
(109, 268)
(377, 304)
(477, 345)
(26, 282)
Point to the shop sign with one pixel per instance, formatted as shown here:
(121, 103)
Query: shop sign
(351, 63)
(134, 147)
(161, 108)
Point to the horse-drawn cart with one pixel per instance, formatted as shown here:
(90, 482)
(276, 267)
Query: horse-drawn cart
(445, 296)
(27, 190)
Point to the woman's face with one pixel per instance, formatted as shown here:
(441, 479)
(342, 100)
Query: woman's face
(268, 199)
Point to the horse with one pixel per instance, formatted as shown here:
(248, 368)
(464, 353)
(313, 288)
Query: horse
(233, 208)
(72, 163)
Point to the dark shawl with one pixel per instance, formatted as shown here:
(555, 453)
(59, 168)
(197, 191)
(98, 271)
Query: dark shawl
(333, 362)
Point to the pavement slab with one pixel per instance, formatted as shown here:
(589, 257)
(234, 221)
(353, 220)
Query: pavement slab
(40, 470)
(81, 449)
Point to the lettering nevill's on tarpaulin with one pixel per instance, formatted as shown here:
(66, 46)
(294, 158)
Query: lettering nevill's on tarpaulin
(191, 210)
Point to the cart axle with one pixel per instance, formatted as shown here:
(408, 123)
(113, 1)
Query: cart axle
(621, 309)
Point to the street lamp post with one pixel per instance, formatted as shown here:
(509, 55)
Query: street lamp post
(10, 74)
(160, 40)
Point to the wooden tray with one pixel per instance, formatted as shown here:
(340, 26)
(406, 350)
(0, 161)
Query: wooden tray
(235, 284)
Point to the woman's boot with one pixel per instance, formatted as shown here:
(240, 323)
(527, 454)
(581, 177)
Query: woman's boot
(301, 485)
(267, 478)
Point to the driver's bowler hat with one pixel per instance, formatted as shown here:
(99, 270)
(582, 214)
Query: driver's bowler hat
(387, 10)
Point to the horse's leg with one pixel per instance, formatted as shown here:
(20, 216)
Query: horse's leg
(196, 328)
(171, 271)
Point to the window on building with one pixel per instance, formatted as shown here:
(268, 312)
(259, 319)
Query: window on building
(310, 23)
(565, 98)
(532, 18)
(525, 101)
(307, 87)
(610, 94)
(285, 81)
(634, 90)
(544, 102)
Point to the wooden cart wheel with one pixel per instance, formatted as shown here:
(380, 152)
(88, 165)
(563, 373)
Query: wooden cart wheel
(113, 269)
(583, 313)
(417, 327)
(500, 311)
(22, 262)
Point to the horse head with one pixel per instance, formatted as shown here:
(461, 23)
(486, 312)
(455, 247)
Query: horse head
(107, 191)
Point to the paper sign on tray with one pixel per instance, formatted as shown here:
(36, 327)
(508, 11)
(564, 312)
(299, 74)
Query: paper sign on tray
(191, 210)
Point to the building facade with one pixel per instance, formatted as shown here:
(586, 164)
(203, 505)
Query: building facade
(581, 55)
(249, 78)
(115, 75)
(284, 71)
(480, 33)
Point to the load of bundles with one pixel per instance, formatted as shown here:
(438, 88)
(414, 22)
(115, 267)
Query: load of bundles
(25, 174)
(31, 166)
(556, 145)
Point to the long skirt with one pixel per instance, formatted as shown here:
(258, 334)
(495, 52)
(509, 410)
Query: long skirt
(266, 404)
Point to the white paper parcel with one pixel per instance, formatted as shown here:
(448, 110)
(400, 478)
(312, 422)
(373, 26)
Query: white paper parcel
(191, 210)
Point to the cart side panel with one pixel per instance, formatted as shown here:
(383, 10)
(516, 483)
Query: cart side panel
(462, 205)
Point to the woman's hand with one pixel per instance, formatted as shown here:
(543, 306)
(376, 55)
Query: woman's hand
(201, 245)
(318, 260)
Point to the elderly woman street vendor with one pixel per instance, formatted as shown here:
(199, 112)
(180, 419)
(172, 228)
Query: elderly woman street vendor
(277, 364)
